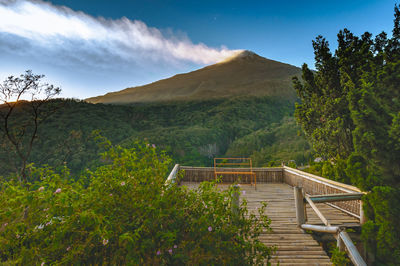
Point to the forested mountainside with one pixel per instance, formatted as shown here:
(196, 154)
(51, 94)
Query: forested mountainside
(192, 132)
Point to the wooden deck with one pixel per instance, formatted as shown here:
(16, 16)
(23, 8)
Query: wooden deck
(294, 247)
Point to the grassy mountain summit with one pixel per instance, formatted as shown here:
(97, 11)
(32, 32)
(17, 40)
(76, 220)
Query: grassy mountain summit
(244, 74)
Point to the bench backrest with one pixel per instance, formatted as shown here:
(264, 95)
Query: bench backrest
(233, 163)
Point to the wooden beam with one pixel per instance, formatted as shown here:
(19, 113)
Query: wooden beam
(299, 203)
(336, 197)
(352, 251)
(319, 228)
(318, 212)
(343, 210)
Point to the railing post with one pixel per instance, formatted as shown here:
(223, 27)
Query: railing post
(340, 243)
(300, 208)
(363, 219)
(235, 200)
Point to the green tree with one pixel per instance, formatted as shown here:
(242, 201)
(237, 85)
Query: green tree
(350, 111)
(22, 111)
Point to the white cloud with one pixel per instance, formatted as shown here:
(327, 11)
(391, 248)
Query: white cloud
(61, 30)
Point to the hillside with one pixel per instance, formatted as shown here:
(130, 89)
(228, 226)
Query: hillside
(244, 74)
(192, 132)
(240, 107)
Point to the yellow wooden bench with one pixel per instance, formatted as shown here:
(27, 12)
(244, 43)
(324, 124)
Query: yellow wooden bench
(239, 162)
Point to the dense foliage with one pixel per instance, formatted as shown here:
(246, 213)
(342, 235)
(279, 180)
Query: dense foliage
(350, 112)
(192, 132)
(270, 146)
(123, 213)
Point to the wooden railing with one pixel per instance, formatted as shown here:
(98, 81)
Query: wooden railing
(316, 185)
(263, 175)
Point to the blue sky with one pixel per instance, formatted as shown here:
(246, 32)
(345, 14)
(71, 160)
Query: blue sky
(95, 46)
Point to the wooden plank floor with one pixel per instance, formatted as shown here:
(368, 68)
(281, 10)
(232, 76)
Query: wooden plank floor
(294, 247)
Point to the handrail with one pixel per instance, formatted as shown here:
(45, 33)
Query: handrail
(344, 187)
(172, 176)
(316, 185)
(322, 229)
(211, 168)
(336, 197)
(341, 235)
(263, 175)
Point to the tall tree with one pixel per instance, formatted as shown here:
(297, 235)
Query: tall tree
(22, 110)
(323, 112)
(350, 111)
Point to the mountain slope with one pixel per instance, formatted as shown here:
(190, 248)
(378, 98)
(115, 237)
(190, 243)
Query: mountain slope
(244, 74)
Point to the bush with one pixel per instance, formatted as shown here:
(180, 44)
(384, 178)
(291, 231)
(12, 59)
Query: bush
(123, 213)
(339, 258)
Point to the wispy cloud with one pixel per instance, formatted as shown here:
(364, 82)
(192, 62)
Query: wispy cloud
(61, 30)
(88, 55)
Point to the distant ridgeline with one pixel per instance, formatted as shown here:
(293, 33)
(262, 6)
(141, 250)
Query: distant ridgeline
(192, 132)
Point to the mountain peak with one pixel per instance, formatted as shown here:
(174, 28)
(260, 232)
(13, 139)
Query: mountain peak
(246, 53)
(245, 73)
(242, 54)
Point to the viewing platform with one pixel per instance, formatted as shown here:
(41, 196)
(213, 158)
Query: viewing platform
(322, 205)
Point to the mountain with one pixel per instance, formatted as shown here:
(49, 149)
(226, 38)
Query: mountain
(242, 107)
(244, 74)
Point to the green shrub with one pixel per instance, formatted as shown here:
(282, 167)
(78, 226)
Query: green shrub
(123, 213)
(339, 258)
